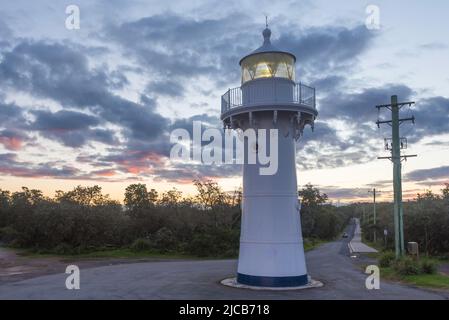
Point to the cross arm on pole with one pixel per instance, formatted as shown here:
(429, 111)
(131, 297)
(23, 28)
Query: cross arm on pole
(401, 104)
(391, 158)
(412, 119)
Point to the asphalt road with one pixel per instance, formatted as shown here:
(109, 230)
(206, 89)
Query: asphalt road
(330, 263)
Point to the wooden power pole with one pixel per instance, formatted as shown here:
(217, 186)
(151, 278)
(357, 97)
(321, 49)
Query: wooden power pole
(395, 144)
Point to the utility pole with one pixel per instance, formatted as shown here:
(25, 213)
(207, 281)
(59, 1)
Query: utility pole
(364, 217)
(374, 192)
(395, 144)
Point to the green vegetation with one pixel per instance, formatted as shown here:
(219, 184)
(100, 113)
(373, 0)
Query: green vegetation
(426, 221)
(120, 253)
(310, 244)
(406, 266)
(435, 280)
(386, 259)
(85, 223)
(422, 272)
(429, 280)
(320, 220)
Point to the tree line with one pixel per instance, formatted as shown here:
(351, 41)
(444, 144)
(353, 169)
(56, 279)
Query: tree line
(206, 224)
(426, 221)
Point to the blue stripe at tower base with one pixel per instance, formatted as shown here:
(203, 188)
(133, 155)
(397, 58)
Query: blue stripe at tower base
(276, 282)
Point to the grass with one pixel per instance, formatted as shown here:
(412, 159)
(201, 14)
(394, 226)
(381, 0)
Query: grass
(310, 244)
(120, 253)
(379, 246)
(126, 253)
(435, 281)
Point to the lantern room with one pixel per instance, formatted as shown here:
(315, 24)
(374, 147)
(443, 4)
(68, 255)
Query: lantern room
(268, 62)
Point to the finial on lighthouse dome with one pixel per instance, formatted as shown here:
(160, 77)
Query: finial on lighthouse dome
(266, 35)
(266, 32)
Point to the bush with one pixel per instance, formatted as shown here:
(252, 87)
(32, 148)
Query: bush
(140, 245)
(63, 248)
(386, 259)
(8, 234)
(202, 245)
(217, 242)
(164, 240)
(406, 266)
(428, 266)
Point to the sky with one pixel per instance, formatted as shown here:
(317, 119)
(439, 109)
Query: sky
(96, 105)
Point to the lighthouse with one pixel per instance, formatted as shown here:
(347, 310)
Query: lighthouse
(269, 98)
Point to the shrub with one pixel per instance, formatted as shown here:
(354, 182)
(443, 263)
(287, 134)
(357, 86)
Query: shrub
(140, 245)
(218, 242)
(406, 266)
(428, 266)
(202, 245)
(164, 240)
(8, 234)
(386, 259)
(63, 248)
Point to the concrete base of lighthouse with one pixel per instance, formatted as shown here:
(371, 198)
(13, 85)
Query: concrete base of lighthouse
(232, 282)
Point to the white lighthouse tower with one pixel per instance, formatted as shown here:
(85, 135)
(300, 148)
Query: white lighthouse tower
(271, 246)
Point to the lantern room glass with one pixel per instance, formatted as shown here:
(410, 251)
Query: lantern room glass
(268, 65)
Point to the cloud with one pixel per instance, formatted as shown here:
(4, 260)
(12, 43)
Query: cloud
(174, 52)
(13, 139)
(186, 173)
(380, 184)
(433, 46)
(176, 46)
(62, 120)
(360, 106)
(9, 165)
(425, 175)
(335, 192)
(325, 49)
(432, 118)
(60, 72)
(73, 129)
(327, 147)
(11, 114)
(5, 34)
(165, 88)
(327, 83)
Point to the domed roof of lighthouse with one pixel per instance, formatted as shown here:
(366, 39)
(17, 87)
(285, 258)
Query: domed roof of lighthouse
(268, 61)
(267, 47)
